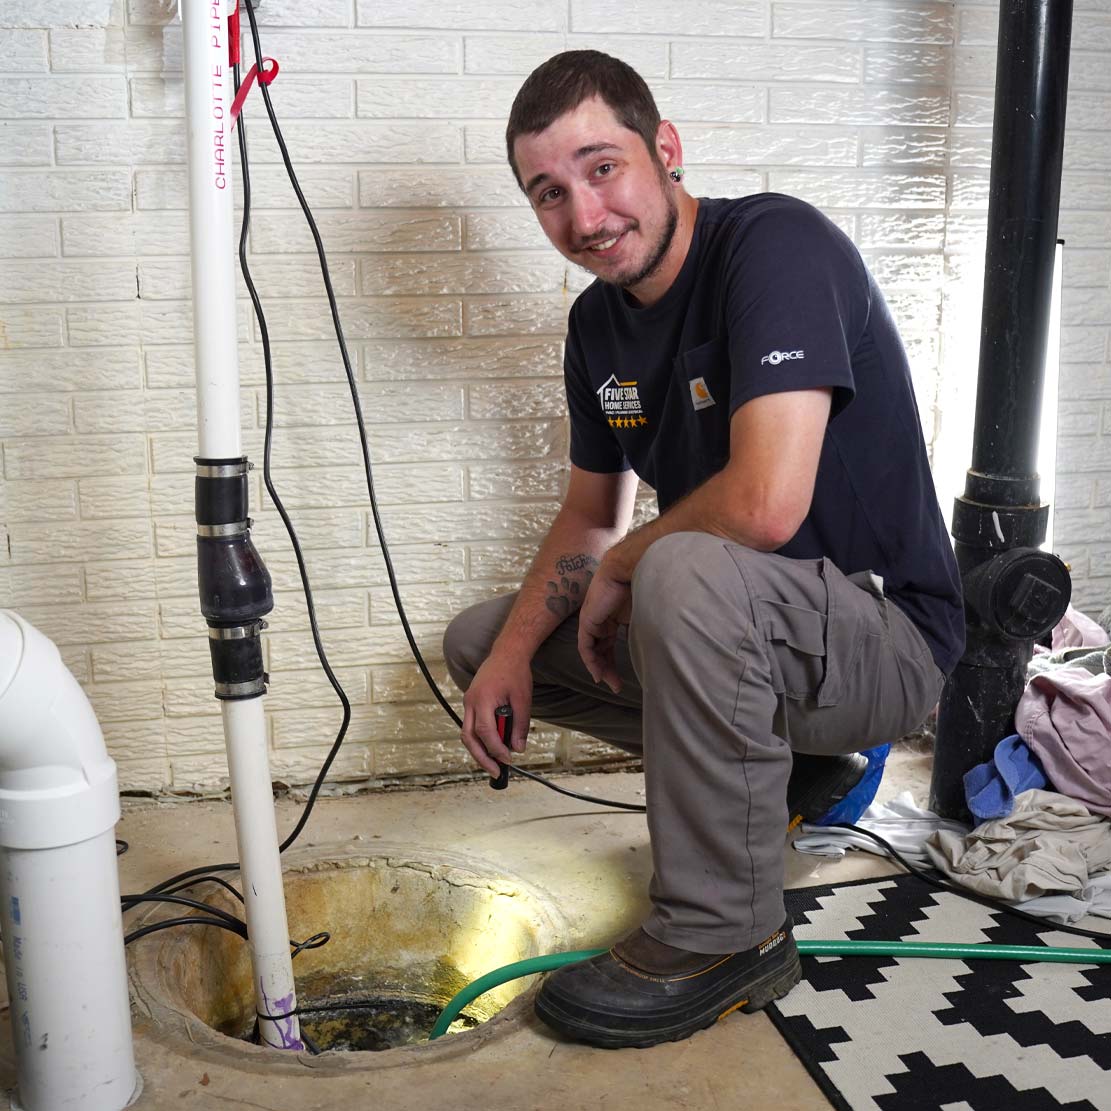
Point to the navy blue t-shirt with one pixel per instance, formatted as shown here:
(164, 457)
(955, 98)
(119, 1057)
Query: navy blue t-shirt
(772, 297)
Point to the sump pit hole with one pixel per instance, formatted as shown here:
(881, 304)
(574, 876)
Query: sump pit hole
(408, 933)
(353, 1012)
(372, 1024)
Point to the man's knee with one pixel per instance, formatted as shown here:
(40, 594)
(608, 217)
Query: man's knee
(678, 577)
(469, 637)
(457, 654)
(670, 555)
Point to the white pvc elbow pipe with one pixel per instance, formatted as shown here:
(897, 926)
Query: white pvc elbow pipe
(59, 886)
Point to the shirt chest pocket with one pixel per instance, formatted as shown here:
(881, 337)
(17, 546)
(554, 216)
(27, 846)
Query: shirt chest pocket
(701, 385)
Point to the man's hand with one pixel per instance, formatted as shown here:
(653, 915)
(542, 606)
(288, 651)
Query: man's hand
(608, 605)
(498, 682)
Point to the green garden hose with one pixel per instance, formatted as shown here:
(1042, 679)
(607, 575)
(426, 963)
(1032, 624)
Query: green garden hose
(1042, 953)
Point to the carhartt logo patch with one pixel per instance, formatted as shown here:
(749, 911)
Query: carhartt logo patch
(700, 394)
(772, 942)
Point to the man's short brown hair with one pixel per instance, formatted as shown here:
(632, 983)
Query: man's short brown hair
(562, 83)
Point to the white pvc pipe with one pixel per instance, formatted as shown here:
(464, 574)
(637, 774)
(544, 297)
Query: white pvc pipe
(208, 97)
(59, 887)
(67, 977)
(256, 833)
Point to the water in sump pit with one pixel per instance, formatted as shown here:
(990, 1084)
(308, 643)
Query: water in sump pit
(375, 1024)
(371, 1024)
(340, 1013)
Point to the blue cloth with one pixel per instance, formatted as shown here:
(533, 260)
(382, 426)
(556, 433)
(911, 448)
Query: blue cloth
(990, 789)
(858, 799)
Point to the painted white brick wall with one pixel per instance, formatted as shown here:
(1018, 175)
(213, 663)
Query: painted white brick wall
(879, 111)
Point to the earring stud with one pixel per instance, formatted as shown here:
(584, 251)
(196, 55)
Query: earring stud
(677, 174)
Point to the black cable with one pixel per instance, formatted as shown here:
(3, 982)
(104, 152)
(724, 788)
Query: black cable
(322, 656)
(346, 1005)
(964, 892)
(121, 846)
(220, 917)
(170, 887)
(225, 918)
(230, 888)
(181, 900)
(191, 920)
(637, 808)
(363, 442)
(201, 872)
(314, 942)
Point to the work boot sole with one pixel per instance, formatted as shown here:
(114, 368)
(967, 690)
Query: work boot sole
(704, 1011)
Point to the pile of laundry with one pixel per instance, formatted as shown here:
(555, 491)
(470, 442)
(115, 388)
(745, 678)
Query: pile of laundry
(1043, 801)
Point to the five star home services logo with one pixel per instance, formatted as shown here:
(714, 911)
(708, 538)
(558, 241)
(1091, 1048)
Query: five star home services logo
(621, 403)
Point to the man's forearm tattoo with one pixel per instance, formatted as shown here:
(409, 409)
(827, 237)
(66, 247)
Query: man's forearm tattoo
(568, 563)
(566, 595)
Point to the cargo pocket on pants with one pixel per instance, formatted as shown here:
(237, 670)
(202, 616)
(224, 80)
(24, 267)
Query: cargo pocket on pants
(812, 651)
(797, 637)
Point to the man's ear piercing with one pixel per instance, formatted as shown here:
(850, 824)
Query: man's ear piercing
(677, 174)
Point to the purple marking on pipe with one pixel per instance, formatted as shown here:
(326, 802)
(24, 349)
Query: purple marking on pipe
(284, 1025)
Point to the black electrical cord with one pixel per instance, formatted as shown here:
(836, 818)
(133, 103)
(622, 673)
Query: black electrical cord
(230, 888)
(202, 874)
(168, 887)
(322, 656)
(313, 942)
(221, 917)
(181, 900)
(191, 920)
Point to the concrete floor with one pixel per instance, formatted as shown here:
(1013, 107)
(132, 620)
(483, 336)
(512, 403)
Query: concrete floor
(595, 866)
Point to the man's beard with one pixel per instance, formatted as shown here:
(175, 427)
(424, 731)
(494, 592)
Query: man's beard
(652, 263)
(655, 257)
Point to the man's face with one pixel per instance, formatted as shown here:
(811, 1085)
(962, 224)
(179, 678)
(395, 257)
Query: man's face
(601, 196)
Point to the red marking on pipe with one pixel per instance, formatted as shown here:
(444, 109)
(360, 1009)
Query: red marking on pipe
(265, 76)
(233, 35)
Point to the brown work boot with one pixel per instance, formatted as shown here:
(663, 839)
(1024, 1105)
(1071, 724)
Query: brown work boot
(643, 992)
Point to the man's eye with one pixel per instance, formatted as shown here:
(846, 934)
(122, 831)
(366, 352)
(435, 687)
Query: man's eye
(547, 195)
(604, 169)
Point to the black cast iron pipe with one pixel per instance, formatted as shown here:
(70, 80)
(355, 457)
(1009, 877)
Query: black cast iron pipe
(1011, 596)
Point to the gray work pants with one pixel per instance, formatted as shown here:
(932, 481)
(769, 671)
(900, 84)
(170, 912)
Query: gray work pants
(733, 659)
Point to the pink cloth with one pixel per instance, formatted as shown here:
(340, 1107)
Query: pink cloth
(1064, 717)
(1077, 630)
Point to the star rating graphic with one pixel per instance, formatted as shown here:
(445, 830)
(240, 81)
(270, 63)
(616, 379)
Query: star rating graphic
(627, 422)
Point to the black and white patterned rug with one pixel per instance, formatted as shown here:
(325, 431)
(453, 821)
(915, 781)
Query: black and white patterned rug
(880, 1034)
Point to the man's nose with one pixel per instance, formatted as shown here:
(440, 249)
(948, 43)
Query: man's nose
(588, 214)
